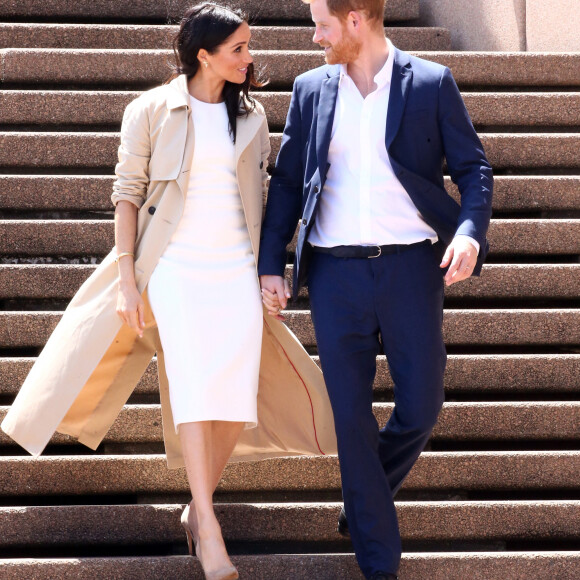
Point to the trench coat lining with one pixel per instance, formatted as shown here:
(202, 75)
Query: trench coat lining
(309, 397)
(101, 385)
(89, 423)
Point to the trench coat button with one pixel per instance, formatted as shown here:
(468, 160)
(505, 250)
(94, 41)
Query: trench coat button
(152, 209)
(304, 222)
(261, 165)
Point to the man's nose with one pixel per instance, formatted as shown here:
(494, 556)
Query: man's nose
(317, 36)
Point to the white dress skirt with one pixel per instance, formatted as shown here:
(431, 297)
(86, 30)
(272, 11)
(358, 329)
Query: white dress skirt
(204, 292)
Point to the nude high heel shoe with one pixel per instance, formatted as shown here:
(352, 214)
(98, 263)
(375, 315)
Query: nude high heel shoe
(190, 532)
(227, 573)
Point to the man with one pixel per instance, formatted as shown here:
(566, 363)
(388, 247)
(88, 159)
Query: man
(361, 166)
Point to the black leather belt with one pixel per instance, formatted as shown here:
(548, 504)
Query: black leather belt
(368, 251)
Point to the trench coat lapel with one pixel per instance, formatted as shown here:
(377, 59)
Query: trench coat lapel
(183, 177)
(326, 107)
(400, 83)
(246, 129)
(171, 158)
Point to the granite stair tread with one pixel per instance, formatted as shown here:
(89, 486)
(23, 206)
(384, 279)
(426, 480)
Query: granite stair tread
(286, 522)
(493, 375)
(499, 281)
(143, 10)
(98, 150)
(523, 193)
(414, 566)
(89, 108)
(147, 68)
(56, 237)
(523, 327)
(122, 474)
(463, 421)
(151, 36)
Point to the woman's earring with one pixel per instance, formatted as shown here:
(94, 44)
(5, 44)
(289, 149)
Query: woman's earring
(205, 63)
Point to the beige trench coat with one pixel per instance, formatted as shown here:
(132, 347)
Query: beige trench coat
(92, 363)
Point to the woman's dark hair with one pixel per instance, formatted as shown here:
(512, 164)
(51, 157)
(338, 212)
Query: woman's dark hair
(208, 26)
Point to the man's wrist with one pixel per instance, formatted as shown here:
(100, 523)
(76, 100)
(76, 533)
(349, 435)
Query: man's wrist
(469, 239)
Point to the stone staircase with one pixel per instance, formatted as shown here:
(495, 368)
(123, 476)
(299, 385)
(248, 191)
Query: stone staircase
(495, 495)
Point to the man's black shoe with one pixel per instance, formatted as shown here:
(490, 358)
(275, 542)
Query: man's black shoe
(342, 528)
(383, 576)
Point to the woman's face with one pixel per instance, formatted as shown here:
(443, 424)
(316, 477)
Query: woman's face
(230, 61)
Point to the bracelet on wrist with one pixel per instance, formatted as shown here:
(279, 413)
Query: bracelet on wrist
(123, 254)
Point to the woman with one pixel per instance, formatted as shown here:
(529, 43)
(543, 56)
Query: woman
(189, 197)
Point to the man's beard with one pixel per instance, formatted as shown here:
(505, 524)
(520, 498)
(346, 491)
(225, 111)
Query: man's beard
(343, 52)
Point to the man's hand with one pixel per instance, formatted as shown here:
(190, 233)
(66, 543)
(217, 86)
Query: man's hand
(462, 255)
(275, 294)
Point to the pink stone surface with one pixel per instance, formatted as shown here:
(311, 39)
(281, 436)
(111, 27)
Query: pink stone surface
(553, 26)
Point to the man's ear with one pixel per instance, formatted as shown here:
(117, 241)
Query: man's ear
(355, 18)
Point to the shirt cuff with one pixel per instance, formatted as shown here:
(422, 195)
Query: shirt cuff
(472, 240)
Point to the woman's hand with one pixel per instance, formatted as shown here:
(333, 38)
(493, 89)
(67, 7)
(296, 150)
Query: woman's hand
(131, 307)
(275, 294)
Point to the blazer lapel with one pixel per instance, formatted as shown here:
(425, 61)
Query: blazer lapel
(326, 107)
(400, 83)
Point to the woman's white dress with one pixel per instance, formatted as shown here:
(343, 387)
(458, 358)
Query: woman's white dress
(204, 291)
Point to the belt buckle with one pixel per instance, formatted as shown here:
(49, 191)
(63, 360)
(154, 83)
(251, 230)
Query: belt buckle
(380, 252)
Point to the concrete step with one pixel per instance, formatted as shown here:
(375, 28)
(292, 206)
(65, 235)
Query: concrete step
(91, 150)
(499, 281)
(96, 237)
(132, 36)
(414, 566)
(286, 522)
(93, 192)
(500, 327)
(90, 108)
(148, 474)
(146, 10)
(490, 422)
(516, 376)
(147, 68)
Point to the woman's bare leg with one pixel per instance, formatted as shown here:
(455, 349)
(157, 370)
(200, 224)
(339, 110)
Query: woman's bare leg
(207, 445)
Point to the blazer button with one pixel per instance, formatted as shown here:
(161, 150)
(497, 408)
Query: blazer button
(304, 222)
(316, 189)
(152, 209)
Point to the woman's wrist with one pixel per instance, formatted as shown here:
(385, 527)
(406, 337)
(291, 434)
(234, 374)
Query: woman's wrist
(127, 284)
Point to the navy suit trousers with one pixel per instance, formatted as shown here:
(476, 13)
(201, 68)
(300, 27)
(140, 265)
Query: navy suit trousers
(358, 304)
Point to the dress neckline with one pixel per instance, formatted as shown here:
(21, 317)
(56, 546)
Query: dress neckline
(205, 103)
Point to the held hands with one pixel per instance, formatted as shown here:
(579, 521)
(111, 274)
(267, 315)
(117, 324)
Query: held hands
(275, 294)
(462, 255)
(131, 308)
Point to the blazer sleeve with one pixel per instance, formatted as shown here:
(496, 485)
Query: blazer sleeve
(468, 166)
(132, 170)
(284, 196)
(266, 150)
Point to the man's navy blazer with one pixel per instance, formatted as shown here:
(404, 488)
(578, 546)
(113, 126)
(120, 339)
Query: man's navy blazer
(427, 123)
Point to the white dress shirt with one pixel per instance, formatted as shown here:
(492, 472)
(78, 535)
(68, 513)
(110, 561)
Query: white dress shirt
(363, 202)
